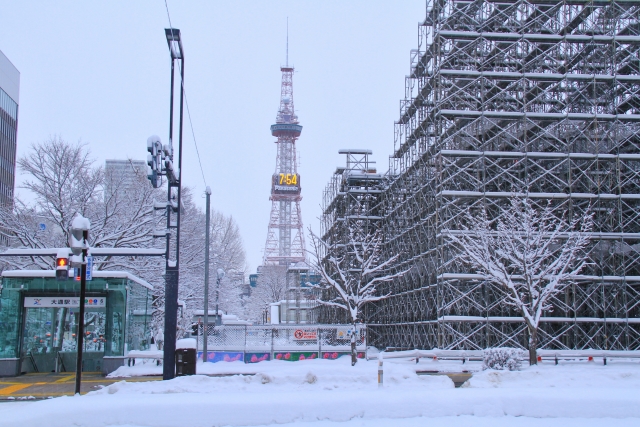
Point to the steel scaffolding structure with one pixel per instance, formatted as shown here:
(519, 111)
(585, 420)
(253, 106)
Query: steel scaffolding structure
(350, 204)
(537, 96)
(285, 237)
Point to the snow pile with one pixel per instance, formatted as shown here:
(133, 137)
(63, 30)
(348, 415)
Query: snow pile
(324, 374)
(569, 376)
(502, 358)
(327, 392)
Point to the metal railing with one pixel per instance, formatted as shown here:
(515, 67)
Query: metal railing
(477, 355)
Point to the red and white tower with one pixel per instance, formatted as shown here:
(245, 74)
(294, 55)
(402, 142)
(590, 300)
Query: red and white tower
(285, 238)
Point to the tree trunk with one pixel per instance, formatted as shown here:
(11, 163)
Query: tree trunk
(354, 354)
(533, 346)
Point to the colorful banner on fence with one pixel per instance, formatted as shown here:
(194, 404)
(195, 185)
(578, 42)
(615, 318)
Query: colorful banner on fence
(292, 356)
(256, 357)
(223, 356)
(336, 354)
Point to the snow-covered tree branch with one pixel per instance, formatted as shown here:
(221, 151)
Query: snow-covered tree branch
(531, 253)
(351, 273)
(271, 287)
(64, 181)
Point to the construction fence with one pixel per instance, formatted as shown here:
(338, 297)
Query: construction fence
(253, 344)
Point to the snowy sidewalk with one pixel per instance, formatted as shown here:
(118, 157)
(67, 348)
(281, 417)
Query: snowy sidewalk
(325, 392)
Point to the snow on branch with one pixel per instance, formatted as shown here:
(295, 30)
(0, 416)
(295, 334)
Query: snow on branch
(531, 253)
(351, 272)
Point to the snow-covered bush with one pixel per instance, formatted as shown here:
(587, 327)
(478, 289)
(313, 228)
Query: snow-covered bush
(503, 358)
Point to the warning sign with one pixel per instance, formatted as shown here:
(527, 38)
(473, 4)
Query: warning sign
(305, 334)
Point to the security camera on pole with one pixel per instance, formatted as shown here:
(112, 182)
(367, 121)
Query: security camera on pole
(79, 244)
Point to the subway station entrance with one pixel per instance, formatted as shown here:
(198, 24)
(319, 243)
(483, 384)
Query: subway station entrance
(49, 340)
(39, 319)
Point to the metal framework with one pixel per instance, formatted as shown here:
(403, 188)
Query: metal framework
(350, 204)
(285, 236)
(537, 95)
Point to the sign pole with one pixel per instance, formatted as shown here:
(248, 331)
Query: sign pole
(83, 293)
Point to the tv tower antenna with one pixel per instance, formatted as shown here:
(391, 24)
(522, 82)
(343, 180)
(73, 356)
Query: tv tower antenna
(285, 237)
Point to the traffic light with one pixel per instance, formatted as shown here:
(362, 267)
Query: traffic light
(155, 159)
(79, 233)
(62, 267)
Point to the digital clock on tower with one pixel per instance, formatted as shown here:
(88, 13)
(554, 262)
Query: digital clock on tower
(286, 183)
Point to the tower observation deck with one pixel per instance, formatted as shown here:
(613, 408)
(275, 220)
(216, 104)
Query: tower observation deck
(285, 237)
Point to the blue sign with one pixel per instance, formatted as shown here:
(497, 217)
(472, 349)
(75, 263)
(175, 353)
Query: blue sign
(89, 267)
(42, 226)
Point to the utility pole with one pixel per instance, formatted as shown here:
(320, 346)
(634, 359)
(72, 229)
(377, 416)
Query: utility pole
(162, 162)
(205, 334)
(172, 267)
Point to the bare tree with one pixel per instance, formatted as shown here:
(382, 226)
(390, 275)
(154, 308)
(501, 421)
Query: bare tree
(532, 254)
(64, 181)
(352, 273)
(226, 251)
(271, 287)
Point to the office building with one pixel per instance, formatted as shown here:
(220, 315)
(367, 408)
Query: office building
(9, 100)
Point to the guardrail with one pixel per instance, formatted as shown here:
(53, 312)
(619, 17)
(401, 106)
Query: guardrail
(476, 355)
(463, 355)
(590, 355)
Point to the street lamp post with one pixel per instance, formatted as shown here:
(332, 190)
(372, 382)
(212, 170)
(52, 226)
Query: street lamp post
(173, 172)
(205, 334)
(220, 276)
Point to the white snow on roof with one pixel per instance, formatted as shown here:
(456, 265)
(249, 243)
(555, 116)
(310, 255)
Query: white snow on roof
(92, 251)
(97, 274)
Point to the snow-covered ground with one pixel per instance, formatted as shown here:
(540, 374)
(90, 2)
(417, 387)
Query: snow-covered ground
(331, 393)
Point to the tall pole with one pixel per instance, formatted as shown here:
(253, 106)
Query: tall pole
(172, 266)
(83, 294)
(205, 334)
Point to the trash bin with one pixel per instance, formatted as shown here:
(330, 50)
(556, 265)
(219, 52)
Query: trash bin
(186, 356)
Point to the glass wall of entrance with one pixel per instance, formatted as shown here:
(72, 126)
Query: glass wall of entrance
(39, 321)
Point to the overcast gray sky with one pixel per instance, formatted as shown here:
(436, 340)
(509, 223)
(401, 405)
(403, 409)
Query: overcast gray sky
(98, 72)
